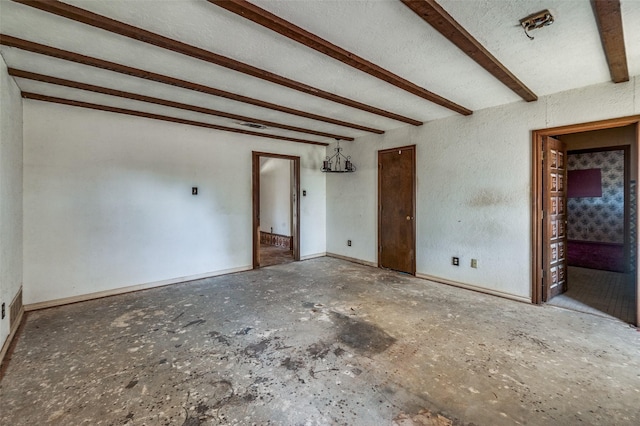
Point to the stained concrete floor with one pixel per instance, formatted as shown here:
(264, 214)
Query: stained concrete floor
(322, 341)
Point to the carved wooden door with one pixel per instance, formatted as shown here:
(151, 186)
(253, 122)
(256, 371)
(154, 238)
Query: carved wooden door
(554, 249)
(396, 209)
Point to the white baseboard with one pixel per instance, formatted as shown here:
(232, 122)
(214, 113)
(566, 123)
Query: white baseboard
(313, 256)
(353, 259)
(475, 288)
(129, 289)
(12, 334)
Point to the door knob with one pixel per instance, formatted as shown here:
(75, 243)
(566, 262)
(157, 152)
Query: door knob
(408, 217)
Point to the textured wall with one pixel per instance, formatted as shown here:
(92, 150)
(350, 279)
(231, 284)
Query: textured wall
(10, 194)
(473, 186)
(108, 204)
(599, 219)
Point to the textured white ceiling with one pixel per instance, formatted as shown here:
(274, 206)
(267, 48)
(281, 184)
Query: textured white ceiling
(563, 56)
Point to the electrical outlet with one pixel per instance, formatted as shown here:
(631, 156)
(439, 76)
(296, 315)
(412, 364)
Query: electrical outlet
(349, 243)
(474, 263)
(194, 190)
(455, 261)
(3, 310)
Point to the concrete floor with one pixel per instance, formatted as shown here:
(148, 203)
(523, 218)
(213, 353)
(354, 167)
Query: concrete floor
(322, 341)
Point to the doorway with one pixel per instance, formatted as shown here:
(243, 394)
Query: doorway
(599, 202)
(396, 209)
(276, 209)
(599, 229)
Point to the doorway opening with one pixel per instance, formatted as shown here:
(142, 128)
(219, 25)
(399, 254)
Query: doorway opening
(396, 209)
(276, 210)
(584, 218)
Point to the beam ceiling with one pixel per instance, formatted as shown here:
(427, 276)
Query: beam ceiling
(290, 30)
(166, 57)
(433, 14)
(142, 98)
(609, 20)
(148, 75)
(89, 18)
(88, 105)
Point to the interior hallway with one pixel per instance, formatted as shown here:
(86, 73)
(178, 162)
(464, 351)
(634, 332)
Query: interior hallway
(322, 341)
(605, 293)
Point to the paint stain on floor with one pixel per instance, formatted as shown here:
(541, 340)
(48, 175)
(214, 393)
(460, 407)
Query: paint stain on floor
(361, 336)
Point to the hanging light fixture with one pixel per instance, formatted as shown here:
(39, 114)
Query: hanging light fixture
(334, 164)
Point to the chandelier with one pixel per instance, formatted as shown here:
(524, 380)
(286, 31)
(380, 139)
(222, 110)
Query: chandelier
(334, 164)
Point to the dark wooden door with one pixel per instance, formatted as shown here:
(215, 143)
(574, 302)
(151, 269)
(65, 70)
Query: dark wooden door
(396, 209)
(554, 220)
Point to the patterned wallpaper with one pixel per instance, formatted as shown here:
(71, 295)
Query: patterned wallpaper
(598, 219)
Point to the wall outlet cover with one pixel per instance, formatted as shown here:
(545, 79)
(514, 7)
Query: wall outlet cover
(455, 261)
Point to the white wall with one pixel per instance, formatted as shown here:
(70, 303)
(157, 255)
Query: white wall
(108, 204)
(10, 194)
(473, 186)
(275, 195)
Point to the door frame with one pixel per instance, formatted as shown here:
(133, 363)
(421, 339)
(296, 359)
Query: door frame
(255, 189)
(537, 188)
(413, 195)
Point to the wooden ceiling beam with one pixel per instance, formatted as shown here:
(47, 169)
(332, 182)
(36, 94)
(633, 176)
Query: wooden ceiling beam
(42, 49)
(93, 19)
(275, 23)
(433, 14)
(609, 19)
(53, 99)
(157, 101)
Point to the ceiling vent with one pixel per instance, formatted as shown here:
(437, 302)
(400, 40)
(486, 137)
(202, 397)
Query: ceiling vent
(252, 125)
